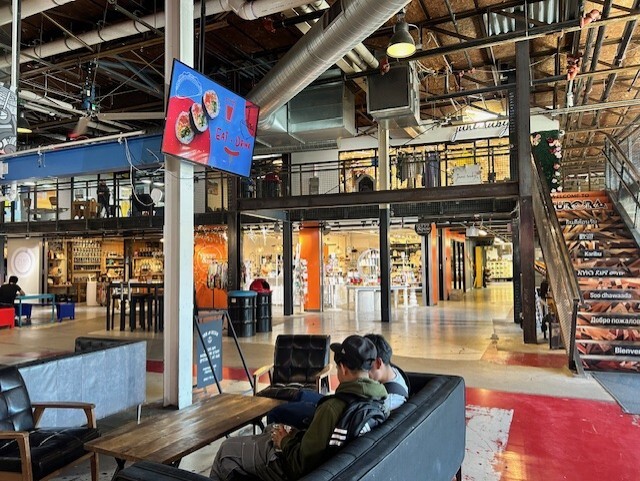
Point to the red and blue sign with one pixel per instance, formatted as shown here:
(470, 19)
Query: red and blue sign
(208, 124)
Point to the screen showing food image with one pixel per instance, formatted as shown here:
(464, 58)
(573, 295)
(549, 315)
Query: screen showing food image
(208, 124)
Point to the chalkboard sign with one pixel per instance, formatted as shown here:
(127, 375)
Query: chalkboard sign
(210, 328)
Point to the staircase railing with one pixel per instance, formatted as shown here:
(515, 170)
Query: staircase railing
(622, 180)
(560, 271)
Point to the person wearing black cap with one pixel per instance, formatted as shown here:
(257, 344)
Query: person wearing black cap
(299, 412)
(279, 454)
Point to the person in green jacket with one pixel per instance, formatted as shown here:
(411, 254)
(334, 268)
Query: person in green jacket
(281, 453)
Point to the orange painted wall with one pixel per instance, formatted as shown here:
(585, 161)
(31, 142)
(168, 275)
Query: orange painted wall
(310, 244)
(206, 250)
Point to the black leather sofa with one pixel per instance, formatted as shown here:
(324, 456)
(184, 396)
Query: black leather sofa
(423, 439)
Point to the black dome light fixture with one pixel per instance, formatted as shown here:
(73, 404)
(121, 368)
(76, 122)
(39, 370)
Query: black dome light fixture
(401, 44)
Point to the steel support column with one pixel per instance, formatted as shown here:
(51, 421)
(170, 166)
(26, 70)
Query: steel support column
(384, 173)
(517, 278)
(178, 231)
(287, 266)
(525, 199)
(234, 235)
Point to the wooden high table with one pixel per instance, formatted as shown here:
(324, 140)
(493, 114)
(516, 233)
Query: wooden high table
(168, 437)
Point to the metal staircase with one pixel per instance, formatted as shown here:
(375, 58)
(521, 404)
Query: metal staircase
(606, 260)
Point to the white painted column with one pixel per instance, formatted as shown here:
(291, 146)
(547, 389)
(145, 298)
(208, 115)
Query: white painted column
(178, 230)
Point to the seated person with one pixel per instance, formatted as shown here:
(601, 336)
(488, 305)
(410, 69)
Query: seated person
(389, 375)
(278, 453)
(9, 291)
(299, 412)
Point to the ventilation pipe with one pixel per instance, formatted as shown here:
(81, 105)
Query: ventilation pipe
(243, 8)
(319, 49)
(29, 8)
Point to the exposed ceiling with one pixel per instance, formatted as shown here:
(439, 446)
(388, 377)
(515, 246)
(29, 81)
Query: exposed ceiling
(468, 49)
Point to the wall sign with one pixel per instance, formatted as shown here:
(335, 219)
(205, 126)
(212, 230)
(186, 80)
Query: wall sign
(422, 228)
(22, 261)
(467, 174)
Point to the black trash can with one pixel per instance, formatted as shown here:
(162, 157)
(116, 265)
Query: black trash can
(242, 312)
(263, 304)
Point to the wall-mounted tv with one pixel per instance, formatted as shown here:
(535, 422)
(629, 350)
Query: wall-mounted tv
(208, 124)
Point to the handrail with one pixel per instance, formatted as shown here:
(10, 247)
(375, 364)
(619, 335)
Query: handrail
(627, 163)
(618, 164)
(562, 275)
(557, 231)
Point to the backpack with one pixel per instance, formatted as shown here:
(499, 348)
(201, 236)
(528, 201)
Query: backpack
(361, 415)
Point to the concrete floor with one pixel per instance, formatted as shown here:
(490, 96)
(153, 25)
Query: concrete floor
(521, 399)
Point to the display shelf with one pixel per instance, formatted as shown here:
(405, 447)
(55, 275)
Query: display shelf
(500, 262)
(147, 260)
(84, 263)
(369, 266)
(406, 263)
(56, 263)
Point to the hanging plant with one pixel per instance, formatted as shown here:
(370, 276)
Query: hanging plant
(546, 147)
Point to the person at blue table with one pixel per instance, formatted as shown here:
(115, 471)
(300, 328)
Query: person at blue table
(9, 291)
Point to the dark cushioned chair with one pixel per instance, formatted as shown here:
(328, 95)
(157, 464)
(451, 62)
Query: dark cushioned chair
(29, 453)
(300, 361)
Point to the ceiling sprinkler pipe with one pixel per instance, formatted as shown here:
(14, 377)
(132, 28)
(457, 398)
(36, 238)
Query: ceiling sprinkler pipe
(245, 9)
(29, 8)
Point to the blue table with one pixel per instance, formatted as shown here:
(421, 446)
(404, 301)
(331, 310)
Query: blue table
(42, 297)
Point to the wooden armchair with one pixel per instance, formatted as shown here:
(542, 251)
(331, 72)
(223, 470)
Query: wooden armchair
(300, 361)
(29, 453)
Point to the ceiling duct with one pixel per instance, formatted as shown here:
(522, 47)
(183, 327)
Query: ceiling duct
(394, 99)
(249, 10)
(318, 113)
(29, 8)
(346, 24)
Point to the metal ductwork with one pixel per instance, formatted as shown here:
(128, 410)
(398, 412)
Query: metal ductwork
(29, 8)
(394, 100)
(341, 28)
(318, 113)
(249, 10)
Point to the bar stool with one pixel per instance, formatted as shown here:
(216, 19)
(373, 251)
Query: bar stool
(138, 301)
(118, 296)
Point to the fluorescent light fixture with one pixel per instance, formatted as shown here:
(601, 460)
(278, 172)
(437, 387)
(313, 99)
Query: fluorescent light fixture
(29, 183)
(145, 181)
(158, 183)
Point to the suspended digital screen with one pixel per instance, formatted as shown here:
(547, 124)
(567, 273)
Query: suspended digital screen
(208, 124)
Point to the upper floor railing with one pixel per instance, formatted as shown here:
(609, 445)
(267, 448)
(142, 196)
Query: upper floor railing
(410, 167)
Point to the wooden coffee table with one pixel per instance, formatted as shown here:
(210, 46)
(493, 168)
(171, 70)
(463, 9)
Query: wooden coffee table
(168, 437)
